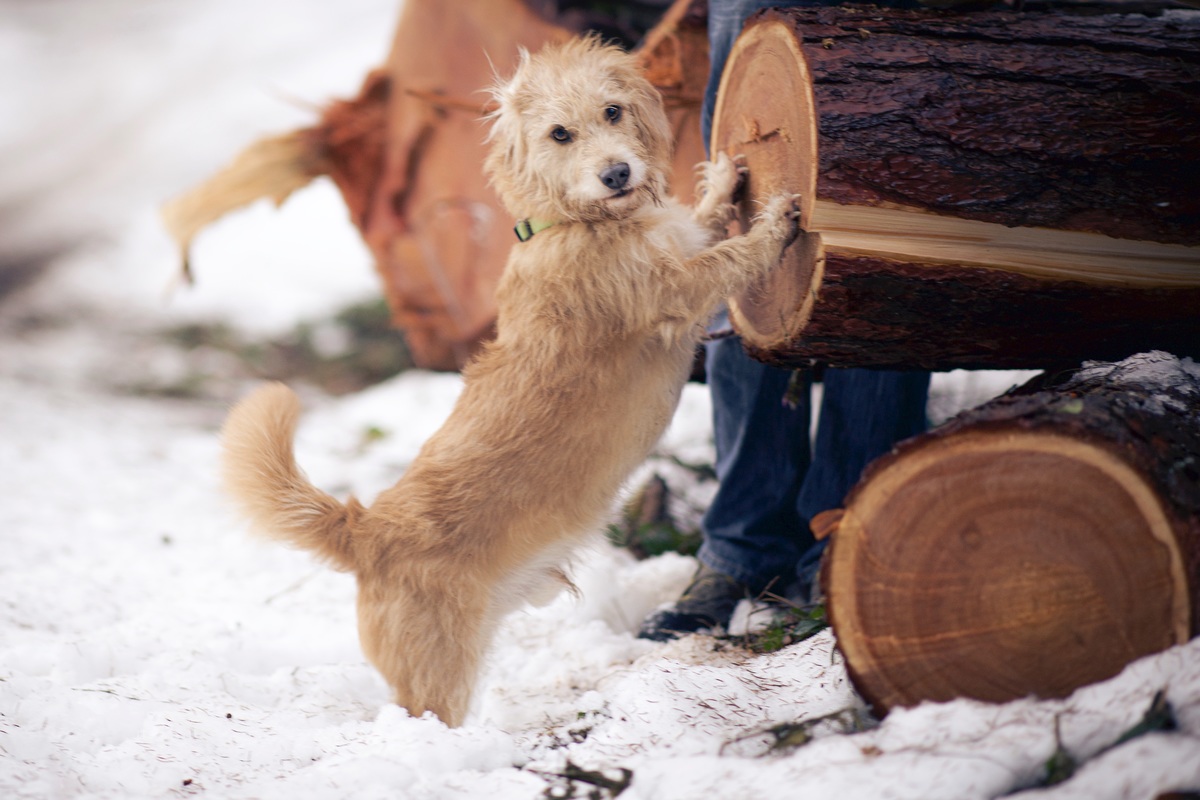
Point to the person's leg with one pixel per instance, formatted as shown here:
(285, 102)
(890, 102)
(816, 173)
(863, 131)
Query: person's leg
(751, 529)
(864, 412)
(752, 533)
(762, 446)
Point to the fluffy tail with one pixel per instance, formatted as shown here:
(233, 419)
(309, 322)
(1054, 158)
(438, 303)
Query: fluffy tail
(262, 476)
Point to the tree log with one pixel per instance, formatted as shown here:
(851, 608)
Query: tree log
(987, 189)
(1030, 546)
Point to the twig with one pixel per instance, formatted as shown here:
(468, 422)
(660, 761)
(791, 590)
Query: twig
(573, 773)
(288, 589)
(788, 735)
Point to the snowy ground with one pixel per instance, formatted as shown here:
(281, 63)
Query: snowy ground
(149, 648)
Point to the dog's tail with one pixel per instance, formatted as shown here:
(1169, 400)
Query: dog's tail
(261, 474)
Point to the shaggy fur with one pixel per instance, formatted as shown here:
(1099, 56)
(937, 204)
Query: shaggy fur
(599, 317)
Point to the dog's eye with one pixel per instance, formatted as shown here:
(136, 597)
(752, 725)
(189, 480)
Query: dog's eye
(560, 135)
(612, 113)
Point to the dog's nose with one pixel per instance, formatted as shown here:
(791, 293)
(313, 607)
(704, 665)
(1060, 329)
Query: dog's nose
(616, 176)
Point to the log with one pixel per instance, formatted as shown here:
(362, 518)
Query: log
(985, 189)
(1032, 545)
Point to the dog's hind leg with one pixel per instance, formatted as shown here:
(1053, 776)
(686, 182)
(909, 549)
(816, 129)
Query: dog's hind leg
(428, 645)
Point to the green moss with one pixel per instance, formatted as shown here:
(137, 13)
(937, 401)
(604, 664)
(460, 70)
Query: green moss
(365, 350)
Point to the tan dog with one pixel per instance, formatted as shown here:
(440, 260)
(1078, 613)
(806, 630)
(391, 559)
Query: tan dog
(599, 316)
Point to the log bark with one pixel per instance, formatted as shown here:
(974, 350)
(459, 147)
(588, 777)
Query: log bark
(1030, 546)
(984, 189)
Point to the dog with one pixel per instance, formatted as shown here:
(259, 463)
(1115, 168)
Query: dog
(601, 308)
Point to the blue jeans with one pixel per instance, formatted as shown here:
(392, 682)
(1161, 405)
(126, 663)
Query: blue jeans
(773, 479)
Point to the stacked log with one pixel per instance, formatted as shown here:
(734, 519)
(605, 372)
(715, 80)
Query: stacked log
(987, 189)
(1030, 546)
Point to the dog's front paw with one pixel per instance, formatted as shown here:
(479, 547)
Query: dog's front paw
(779, 219)
(720, 180)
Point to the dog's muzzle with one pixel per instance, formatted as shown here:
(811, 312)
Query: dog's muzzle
(616, 176)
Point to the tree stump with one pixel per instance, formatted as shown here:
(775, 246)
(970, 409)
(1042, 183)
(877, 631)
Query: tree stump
(986, 189)
(1030, 546)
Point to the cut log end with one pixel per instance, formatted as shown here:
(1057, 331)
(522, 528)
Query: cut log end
(776, 132)
(779, 143)
(778, 307)
(963, 565)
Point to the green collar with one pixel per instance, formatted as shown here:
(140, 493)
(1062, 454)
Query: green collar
(526, 228)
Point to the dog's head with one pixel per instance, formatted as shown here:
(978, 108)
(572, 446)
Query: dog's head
(578, 134)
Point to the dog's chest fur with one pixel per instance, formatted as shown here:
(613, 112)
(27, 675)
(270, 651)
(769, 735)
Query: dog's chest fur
(611, 300)
(591, 354)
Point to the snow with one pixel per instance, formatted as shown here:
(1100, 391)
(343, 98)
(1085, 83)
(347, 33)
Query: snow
(149, 647)
(1162, 372)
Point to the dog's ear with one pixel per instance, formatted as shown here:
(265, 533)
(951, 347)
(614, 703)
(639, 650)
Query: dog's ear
(507, 152)
(505, 91)
(653, 128)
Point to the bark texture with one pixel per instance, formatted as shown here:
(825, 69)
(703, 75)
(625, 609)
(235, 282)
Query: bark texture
(873, 311)
(1052, 120)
